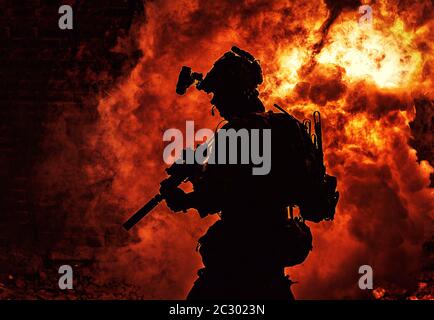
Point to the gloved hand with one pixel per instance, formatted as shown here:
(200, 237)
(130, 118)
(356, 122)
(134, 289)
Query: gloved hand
(176, 199)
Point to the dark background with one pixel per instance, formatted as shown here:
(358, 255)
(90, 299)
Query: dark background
(45, 70)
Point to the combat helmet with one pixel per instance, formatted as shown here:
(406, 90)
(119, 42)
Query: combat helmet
(237, 71)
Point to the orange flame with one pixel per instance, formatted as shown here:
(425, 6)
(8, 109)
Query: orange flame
(363, 81)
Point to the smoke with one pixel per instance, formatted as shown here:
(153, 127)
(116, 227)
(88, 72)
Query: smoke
(109, 166)
(335, 8)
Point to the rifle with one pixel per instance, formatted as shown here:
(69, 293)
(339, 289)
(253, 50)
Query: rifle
(178, 173)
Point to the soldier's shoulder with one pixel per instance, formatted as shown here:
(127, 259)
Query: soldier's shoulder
(281, 120)
(266, 119)
(251, 120)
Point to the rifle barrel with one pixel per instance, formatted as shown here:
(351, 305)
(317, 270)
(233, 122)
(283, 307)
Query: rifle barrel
(151, 204)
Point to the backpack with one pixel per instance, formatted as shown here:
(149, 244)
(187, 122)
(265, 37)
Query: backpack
(304, 167)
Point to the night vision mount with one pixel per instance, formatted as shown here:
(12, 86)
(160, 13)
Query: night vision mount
(186, 78)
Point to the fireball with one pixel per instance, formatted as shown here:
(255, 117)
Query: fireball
(364, 79)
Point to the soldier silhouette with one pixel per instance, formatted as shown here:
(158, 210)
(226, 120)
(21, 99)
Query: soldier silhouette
(245, 252)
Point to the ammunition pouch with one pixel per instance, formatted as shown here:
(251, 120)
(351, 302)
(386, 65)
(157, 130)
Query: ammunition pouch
(294, 242)
(321, 203)
(273, 248)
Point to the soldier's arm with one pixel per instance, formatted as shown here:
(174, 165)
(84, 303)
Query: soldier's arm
(214, 188)
(210, 191)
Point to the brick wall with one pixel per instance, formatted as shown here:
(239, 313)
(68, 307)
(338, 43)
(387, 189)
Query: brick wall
(43, 72)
